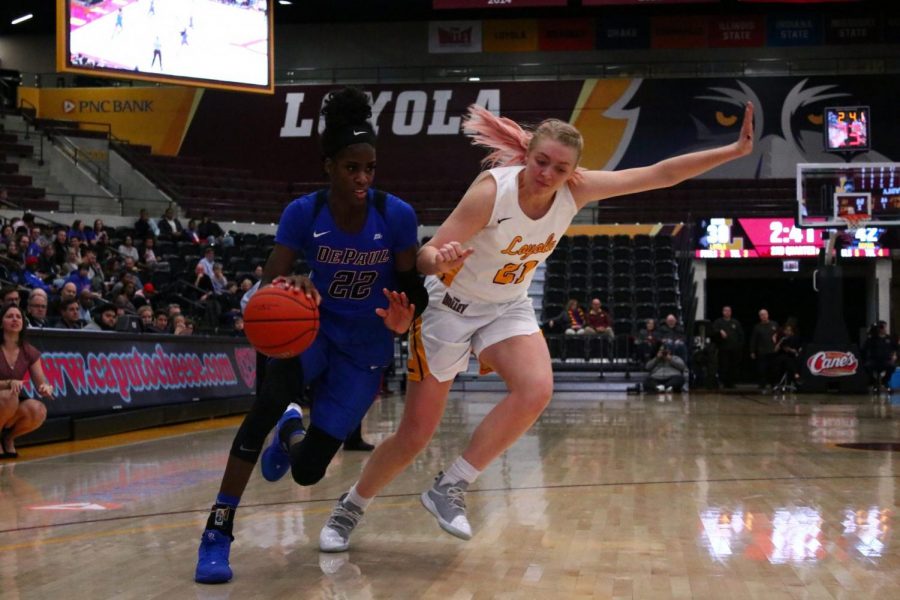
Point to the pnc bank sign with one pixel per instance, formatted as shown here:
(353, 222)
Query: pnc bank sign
(107, 106)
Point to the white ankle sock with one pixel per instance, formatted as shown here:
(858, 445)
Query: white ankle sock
(460, 470)
(354, 497)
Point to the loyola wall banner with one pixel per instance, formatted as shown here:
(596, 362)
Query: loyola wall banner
(93, 372)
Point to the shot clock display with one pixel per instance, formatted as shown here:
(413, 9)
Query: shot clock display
(847, 128)
(766, 237)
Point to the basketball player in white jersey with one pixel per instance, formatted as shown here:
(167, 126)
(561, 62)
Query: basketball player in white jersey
(480, 264)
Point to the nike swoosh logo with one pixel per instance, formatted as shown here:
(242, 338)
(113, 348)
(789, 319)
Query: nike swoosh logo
(373, 367)
(359, 132)
(246, 449)
(320, 233)
(503, 219)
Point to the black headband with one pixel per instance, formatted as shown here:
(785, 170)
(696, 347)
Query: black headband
(347, 136)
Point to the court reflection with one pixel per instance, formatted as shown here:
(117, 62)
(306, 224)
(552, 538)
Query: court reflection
(795, 535)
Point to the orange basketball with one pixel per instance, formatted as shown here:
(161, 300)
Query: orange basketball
(280, 323)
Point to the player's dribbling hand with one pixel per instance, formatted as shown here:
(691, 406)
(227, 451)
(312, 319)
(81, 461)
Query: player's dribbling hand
(451, 256)
(745, 141)
(299, 284)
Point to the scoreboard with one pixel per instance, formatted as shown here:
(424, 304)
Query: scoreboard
(776, 237)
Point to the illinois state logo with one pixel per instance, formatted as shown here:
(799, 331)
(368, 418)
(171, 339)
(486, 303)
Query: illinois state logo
(832, 364)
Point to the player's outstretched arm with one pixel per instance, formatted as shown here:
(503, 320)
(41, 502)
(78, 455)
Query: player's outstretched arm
(592, 186)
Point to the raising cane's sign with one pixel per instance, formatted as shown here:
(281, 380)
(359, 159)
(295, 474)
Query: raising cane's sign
(828, 363)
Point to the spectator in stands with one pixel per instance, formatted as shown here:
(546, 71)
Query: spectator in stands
(238, 327)
(38, 303)
(576, 319)
(130, 268)
(126, 248)
(86, 301)
(144, 227)
(142, 296)
(219, 281)
(7, 235)
(10, 295)
(190, 232)
(95, 270)
(67, 292)
(169, 226)
(648, 341)
(60, 245)
(145, 313)
(210, 229)
(179, 325)
(98, 235)
(161, 322)
(258, 273)
(598, 321)
(23, 241)
(671, 333)
(13, 257)
(208, 260)
(728, 337)
(149, 255)
(76, 232)
(47, 265)
(70, 315)
(29, 277)
(104, 319)
(173, 310)
(787, 357)
(879, 354)
(71, 263)
(18, 415)
(246, 284)
(81, 278)
(762, 348)
(124, 304)
(666, 372)
(38, 237)
(34, 246)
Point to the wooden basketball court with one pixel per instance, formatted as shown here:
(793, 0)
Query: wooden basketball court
(609, 496)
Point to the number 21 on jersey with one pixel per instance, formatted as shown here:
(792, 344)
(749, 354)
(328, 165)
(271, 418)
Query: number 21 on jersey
(514, 272)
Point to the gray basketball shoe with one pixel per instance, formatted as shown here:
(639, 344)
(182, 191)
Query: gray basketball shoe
(447, 503)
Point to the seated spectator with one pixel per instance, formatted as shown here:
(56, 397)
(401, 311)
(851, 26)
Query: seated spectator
(576, 318)
(149, 255)
(160, 322)
(28, 277)
(35, 248)
(787, 357)
(95, 270)
(169, 226)
(190, 232)
(179, 325)
(210, 233)
(23, 241)
(76, 232)
(71, 263)
(60, 245)
(124, 305)
(879, 354)
(144, 227)
(98, 235)
(257, 273)
(671, 333)
(666, 372)
(70, 315)
(81, 278)
(142, 296)
(38, 237)
(87, 304)
(127, 248)
(238, 325)
(208, 261)
(648, 341)
(7, 236)
(10, 295)
(598, 321)
(38, 303)
(145, 313)
(18, 415)
(104, 319)
(47, 265)
(67, 292)
(219, 281)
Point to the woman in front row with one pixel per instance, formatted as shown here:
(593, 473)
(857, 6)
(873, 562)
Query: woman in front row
(480, 264)
(19, 415)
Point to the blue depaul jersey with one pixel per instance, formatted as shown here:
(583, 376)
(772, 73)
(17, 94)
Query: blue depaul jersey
(350, 270)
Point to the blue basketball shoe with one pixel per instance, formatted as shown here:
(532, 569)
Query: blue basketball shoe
(212, 559)
(276, 459)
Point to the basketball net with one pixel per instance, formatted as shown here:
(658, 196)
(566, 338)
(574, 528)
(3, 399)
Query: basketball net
(853, 223)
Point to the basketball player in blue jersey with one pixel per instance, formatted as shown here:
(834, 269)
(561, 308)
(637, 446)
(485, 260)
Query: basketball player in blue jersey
(360, 244)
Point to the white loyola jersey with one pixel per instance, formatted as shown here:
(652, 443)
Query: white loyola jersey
(511, 245)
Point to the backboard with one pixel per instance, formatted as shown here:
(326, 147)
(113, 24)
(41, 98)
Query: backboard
(829, 193)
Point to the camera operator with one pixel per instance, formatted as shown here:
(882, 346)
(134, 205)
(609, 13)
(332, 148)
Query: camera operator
(666, 372)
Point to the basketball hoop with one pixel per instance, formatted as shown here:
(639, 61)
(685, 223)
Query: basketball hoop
(854, 222)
